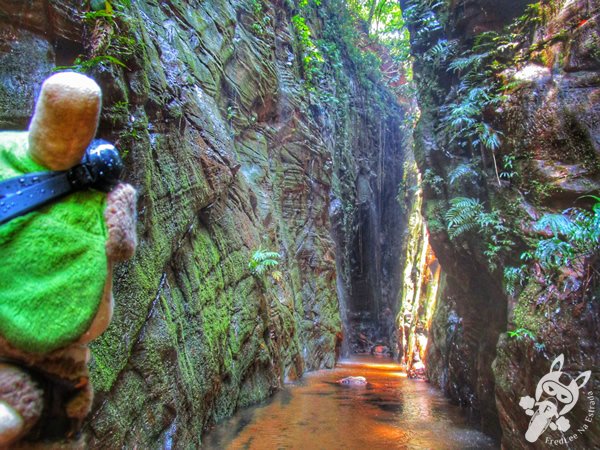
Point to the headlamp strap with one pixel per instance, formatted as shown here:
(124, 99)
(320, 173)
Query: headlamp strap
(100, 168)
(23, 194)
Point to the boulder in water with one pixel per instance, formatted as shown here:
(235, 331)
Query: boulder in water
(353, 381)
(380, 350)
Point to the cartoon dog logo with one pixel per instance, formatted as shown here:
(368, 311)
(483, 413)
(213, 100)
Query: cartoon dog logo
(553, 399)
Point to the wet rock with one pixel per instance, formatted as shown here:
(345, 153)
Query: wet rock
(19, 80)
(549, 125)
(381, 350)
(569, 181)
(54, 19)
(353, 381)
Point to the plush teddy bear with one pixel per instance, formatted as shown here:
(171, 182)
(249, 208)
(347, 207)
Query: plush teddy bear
(56, 270)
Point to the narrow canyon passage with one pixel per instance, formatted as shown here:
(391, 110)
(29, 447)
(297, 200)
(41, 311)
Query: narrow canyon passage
(390, 412)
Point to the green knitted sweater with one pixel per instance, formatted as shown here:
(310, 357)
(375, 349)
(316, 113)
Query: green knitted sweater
(53, 264)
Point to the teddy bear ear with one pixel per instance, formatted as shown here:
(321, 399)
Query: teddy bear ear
(557, 364)
(65, 120)
(583, 378)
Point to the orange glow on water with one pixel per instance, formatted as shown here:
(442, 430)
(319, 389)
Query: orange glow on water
(317, 413)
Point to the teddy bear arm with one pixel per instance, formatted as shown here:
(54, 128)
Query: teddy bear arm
(120, 216)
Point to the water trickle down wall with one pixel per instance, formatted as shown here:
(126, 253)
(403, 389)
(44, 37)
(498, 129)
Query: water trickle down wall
(422, 275)
(373, 263)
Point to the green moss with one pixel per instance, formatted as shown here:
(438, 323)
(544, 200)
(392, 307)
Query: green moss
(434, 215)
(526, 314)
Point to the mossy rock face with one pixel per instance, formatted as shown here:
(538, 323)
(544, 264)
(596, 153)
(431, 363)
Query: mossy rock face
(230, 153)
(550, 135)
(557, 326)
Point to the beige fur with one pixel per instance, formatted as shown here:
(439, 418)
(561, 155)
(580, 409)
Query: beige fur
(65, 120)
(120, 218)
(22, 395)
(105, 311)
(12, 424)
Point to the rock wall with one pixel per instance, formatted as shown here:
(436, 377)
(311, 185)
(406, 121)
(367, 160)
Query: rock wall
(508, 94)
(369, 241)
(421, 275)
(214, 107)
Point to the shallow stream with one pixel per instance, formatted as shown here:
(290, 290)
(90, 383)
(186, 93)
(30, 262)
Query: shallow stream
(390, 412)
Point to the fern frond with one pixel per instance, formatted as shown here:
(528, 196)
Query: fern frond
(489, 137)
(553, 253)
(262, 260)
(559, 225)
(463, 215)
(514, 277)
(470, 62)
(460, 171)
(441, 51)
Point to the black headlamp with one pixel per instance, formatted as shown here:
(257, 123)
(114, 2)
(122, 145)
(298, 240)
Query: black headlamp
(100, 169)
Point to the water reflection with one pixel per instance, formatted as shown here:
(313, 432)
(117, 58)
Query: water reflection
(391, 412)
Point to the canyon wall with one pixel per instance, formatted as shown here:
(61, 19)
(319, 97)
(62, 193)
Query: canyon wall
(236, 142)
(508, 132)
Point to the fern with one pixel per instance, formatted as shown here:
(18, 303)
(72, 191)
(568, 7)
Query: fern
(514, 277)
(489, 137)
(574, 242)
(441, 51)
(463, 215)
(262, 261)
(553, 253)
(575, 235)
(470, 62)
(433, 180)
(468, 214)
(558, 224)
(509, 172)
(463, 119)
(521, 333)
(85, 65)
(462, 171)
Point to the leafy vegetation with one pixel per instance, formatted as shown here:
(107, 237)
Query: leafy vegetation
(381, 16)
(521, 333)
(84, 65)
(509, 171)
(385, 26)
(433, 180)
(468, 214)
(263, 262)
(465, 170)
(462, 120)
(514, 278)
(426, 17)
(574, 236)
(465, 214)
(108, 43)
(312, 59)
(263, 20)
